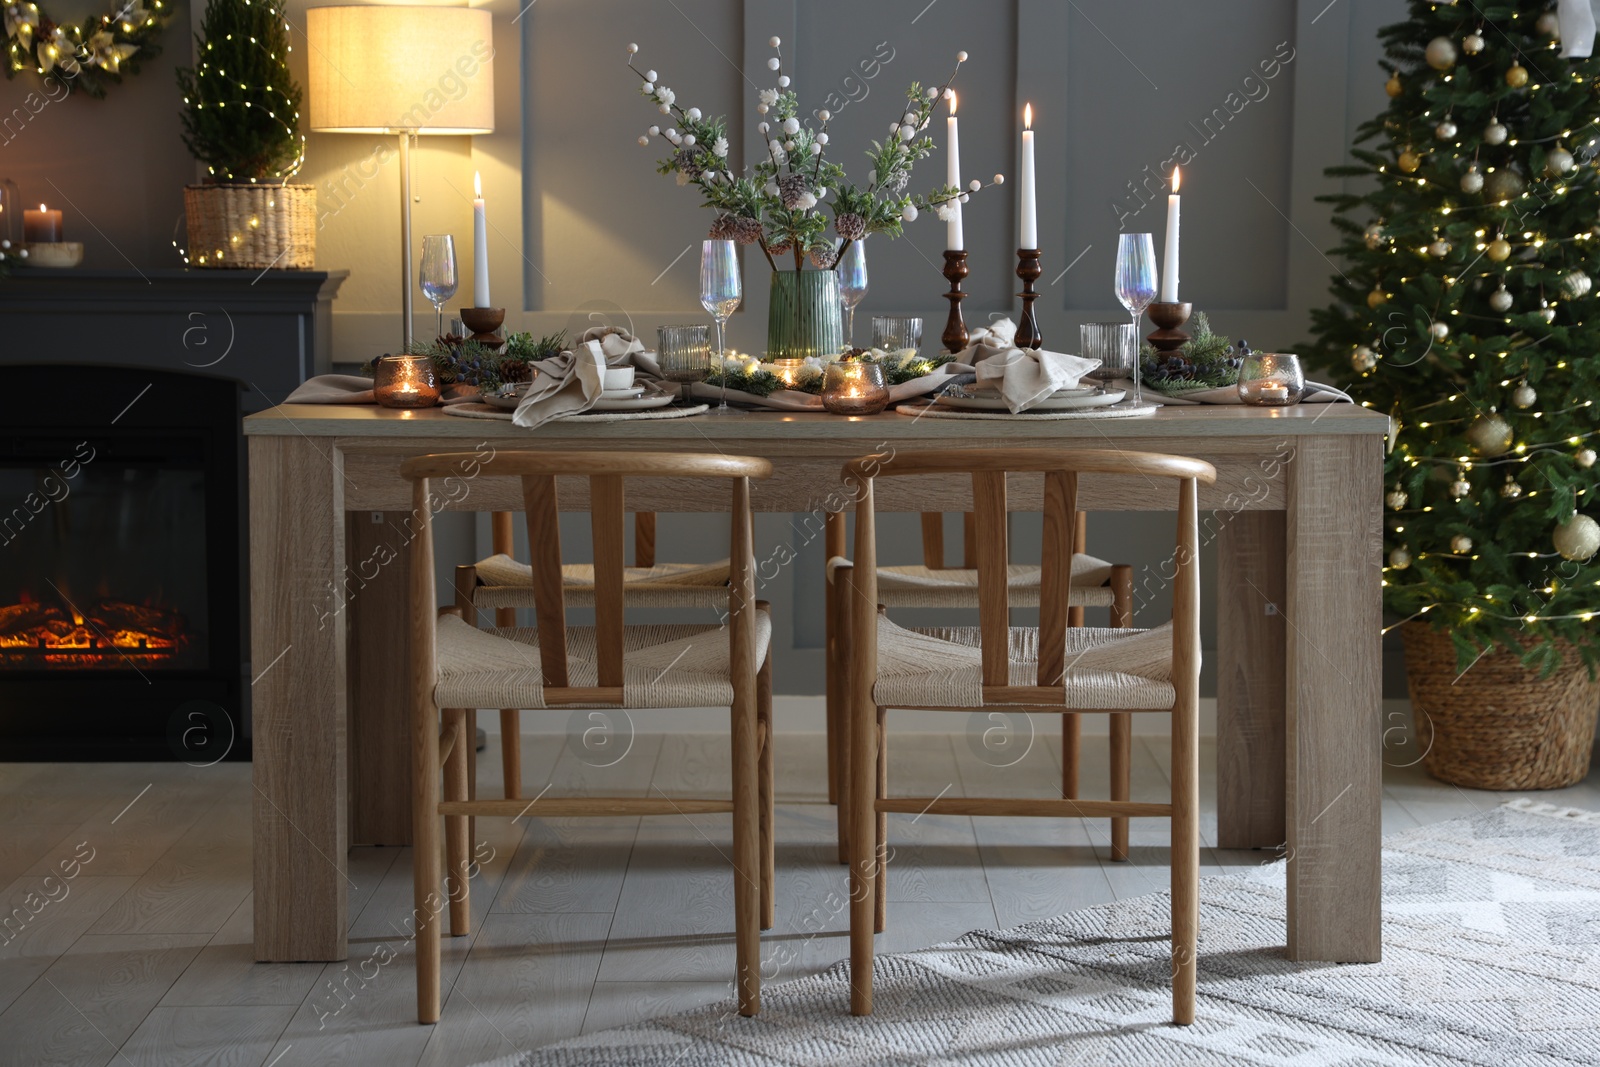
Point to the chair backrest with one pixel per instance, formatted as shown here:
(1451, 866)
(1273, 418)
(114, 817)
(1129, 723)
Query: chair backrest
(503, 543)
(1060, 468)
(933, 556)
(605, 472)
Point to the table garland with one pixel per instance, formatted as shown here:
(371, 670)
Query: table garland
(747, 374)
(89, 57)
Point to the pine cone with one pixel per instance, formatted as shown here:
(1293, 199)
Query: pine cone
(689, 161)
(779, 250)
(822, 256)
(747, 231)
(790, 189)
(851, 227)
(724, 228)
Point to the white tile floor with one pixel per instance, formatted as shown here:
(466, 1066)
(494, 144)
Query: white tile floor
(145, 956)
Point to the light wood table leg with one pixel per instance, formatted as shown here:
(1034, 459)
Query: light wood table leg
(378, 558)
(1334, 683)
(1250, 680)
(297, 649)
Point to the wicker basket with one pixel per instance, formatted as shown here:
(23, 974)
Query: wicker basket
(1499, 725)
(252, 226)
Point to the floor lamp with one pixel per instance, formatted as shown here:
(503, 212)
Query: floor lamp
(404, 71)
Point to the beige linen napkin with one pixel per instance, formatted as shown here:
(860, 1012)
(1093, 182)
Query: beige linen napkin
(570, 383)
(1023, 376)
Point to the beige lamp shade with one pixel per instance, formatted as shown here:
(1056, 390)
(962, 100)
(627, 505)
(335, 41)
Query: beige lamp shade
(383, 69)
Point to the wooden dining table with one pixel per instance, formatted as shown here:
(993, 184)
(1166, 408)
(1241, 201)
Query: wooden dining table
(1296, 523)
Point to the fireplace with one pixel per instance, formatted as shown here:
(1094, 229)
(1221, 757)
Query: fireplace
(122, 597)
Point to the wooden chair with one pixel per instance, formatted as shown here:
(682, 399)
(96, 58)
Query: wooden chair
(936, 584)
(996, 666)
(456, 666)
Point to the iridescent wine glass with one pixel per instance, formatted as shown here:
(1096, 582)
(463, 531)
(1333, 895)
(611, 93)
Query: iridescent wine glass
(438, 277)
(852, 271)
(721, 291)
(1136, 288)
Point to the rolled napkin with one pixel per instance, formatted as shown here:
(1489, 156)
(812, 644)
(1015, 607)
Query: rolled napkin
(1023, 376)
(571, 383)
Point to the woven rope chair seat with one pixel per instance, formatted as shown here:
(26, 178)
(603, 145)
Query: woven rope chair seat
(509, 584)
(942, 667)
(662, 666)
(926, 587)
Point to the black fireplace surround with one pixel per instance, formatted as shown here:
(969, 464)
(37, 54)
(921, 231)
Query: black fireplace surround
(123, 619)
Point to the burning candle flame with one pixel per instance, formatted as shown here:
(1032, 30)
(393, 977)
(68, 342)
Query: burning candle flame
(1027, 116)
(952, 101)
(1177, 177)
(477, 185)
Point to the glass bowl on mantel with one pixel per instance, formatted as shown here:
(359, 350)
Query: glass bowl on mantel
(854, 387)
(1271, 379)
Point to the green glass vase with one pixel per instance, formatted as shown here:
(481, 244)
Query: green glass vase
(804, 317)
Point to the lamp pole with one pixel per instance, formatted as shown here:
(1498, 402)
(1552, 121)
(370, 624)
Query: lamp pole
(406, 137)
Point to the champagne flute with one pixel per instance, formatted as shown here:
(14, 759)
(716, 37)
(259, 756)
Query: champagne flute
(1136, 288)
(438, 276)
(720, 293)
(852, 271)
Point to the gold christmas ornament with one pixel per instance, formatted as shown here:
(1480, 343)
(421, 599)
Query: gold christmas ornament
(1578, 537)
(1511, 490)
(1472, 44)
(1409, 161)
(1376, 299)
(1523, 396)
(1363, 359)
(1441, 53)
(1505, 184)
(1472, 180)
(1399, 558)
(1489, 435)
(1392, 86)
(1373, 236)
(1461, 544)
(1498, 250)
(1516, 75)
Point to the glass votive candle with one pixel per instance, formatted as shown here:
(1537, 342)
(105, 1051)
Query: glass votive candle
(1114, 344)
(852, 387)
(1271, 379)
(405, 382)
(684, 352)
(787, 371)
(894, 332)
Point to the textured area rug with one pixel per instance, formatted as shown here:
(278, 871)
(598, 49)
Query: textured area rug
(1491, 940)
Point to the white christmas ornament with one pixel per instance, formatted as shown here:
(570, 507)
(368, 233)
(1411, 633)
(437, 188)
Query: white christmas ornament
(1445, 131)
(1460, 487)
(1363, 359)
(1495, 133)
(1500, 300)
(1439, 248)
(1577, 538)
(1461, 544)
(1373, 236)
(1396, 498)
(1558, 162)
(1399, 559)
(1440, 330)
(1490, 435)
(1576, 283)
(1441, 53)
(1547, 313)
(1472, 44)
(1472, 180)
(1523, 396)
(1584, 458)
(1548, 24)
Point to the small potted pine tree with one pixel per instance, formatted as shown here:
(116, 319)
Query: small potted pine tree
(242, 120)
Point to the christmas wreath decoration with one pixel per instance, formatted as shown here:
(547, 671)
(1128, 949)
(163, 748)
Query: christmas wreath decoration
(89, 57)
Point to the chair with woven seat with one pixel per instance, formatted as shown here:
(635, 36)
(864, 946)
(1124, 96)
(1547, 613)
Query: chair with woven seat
(995, 666)
(1094, 583)
(611, 664)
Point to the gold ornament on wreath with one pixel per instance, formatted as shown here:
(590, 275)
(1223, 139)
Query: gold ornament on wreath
(88, 57)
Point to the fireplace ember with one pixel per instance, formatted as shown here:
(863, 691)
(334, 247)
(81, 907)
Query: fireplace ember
(110, 635)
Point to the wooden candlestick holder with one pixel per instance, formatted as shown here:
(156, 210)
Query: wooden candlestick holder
(1168, 316)
(1029, 270)
(955, 329)
(484, 324)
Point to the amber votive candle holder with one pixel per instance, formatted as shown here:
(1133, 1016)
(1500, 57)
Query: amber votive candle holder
(853, 387)
(1271, 379)
(788, 371)
(405, 382)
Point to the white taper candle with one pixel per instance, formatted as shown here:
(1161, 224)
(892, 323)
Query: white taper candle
(1028, 234)
(480, 246)
(1169, 259)
(954, 239)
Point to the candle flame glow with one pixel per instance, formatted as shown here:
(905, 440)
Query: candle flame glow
(477, 185)
(952, 101)
(43, 208)
(1177, 177)
(1027, 116)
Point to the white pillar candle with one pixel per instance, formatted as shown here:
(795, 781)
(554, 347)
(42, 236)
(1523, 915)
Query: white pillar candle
(1169, 262)
(480, 246)
(1028, 235)
(953, 237)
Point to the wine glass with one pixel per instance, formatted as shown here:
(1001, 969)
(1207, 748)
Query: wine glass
(720, 293)
(1136, 288)
(438, 276)
(852, 271)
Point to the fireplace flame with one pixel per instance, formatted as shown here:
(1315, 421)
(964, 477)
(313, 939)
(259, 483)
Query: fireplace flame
(106, 633)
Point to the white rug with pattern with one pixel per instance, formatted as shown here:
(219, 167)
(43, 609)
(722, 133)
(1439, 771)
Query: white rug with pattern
(1491, 935)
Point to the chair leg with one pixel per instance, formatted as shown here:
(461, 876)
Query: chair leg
(881, 837)
(1185, 866)
(457, 843)
(863, 861)
(511, 752)
(426, 875)
(746, 852)
(768, 795)
(470, 738)
(1121, 759)
(835, 666)
(843, 737)
(1071, 738)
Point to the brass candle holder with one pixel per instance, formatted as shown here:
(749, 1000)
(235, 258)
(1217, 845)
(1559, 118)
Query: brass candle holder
(955, 329)
(1029, 270)
(1168, 316)
(484, 324)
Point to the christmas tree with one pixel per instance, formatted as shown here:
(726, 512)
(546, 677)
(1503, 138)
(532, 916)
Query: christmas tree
(243, 109)
(1465, 310)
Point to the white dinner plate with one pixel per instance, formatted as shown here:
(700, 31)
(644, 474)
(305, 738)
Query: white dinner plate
(1064, 400)
(654, 397)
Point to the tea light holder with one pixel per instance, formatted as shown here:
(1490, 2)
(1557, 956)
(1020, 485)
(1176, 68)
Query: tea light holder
(787, 371)
(852, 387)
(1271, 379)
(955, 329)
(405, 382)
(1168, 316)
(1029, 270)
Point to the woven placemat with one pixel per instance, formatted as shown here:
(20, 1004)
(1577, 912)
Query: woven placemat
(484, 411)
(934, 411)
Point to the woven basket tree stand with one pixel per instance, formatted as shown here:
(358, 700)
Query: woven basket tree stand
(252, 226)
(1499, 725)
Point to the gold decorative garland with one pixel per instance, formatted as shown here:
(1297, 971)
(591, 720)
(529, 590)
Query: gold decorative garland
(89, 57)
